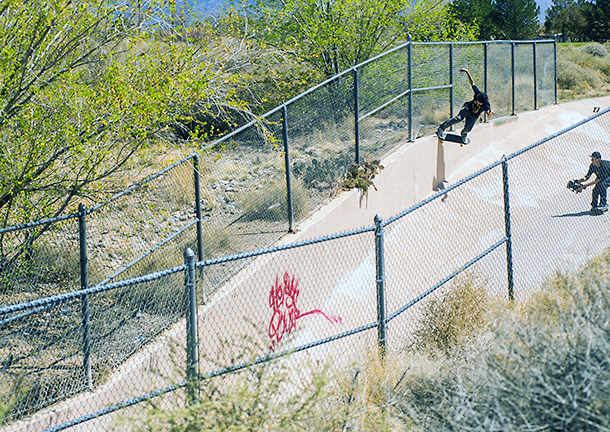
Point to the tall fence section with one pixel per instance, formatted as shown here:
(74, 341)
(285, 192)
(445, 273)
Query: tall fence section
(83, 296)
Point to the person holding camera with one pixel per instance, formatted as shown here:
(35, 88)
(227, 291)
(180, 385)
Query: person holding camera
(601, 169)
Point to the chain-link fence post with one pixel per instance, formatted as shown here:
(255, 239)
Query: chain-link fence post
(509, 242)
(191, 323)
(555, 63)
(451, 81)
(485, 74)
(512, 73)
(287, 161)
(84, 282)
(380, 283)
(535, 78)
(410, 68)
(356, 117)
(198, 208)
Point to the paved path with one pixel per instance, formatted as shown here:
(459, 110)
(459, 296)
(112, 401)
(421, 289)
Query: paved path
(339, 279)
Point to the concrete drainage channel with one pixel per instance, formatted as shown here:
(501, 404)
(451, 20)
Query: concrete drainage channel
(412, 172)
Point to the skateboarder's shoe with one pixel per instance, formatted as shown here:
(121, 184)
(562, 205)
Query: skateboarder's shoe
(598, 210)
(440, 132)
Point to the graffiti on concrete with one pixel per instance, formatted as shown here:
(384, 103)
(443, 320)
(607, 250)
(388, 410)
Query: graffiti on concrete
(283, 301)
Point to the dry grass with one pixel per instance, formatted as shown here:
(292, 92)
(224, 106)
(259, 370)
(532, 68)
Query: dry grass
(270, 203)
(540, 366)
(455, 317)
(478, 365)
(583, 71)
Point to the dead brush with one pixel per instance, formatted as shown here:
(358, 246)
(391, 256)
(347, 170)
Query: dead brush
(367, 392)
(455, 317)
(541, 365)
(270, 202)
(277, 395)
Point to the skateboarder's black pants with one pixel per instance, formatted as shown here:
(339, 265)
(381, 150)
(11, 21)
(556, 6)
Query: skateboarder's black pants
(463, 114)
(600, 192)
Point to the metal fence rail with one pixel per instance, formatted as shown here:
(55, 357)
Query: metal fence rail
(273, 173)
(346, 290)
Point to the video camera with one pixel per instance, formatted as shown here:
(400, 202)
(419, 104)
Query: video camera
(574, 185)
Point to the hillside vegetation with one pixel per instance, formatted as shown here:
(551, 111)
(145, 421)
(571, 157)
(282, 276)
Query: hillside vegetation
(475, 364)
(583, 70)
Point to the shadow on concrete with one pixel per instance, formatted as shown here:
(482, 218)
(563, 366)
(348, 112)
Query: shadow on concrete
(439, 176)
(582, 213)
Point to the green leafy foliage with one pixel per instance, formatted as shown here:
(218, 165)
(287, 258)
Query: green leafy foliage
(499, 19)
(84, 87)
(579, 20)
(333, 36)
(517, 19)
(566, 17)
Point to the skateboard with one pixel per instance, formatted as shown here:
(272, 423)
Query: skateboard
(598, 211)
(453, 138)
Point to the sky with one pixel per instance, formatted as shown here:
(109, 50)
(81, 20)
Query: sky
(544, 5)
(212, 6)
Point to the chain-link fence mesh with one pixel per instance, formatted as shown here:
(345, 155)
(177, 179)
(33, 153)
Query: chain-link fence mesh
(53, 350)
(552, 225)
(145, 229)
(320, 133)
(244, 191)
(290, 298)
(429, 244)
(39, 261)
(319, 297)
(546, 74)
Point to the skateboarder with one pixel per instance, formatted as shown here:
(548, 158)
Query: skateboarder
(601, 169)
(470, 111)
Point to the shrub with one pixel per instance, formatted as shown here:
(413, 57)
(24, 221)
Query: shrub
(454, 317)
(323, 174)
(595, 49)
(270, 202)
(361, 176)
(572, 76)
(256, 399)
(542, 366)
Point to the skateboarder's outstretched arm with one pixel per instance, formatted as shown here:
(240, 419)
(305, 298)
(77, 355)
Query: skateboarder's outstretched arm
(467, 72)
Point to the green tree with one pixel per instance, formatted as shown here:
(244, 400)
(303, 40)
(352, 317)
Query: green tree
(82, 90)
(333, 35)
(597, 16)
(517, 19)
(566, 17)
(477, 12)
(499, 19)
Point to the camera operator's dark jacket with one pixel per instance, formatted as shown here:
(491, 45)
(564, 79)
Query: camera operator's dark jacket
(602, 172)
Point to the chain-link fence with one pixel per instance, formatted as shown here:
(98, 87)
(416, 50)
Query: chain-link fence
(60, 348)
(511, 225)
(60, 337)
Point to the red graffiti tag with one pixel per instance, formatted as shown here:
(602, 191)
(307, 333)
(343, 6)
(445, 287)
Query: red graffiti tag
(283, 300)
